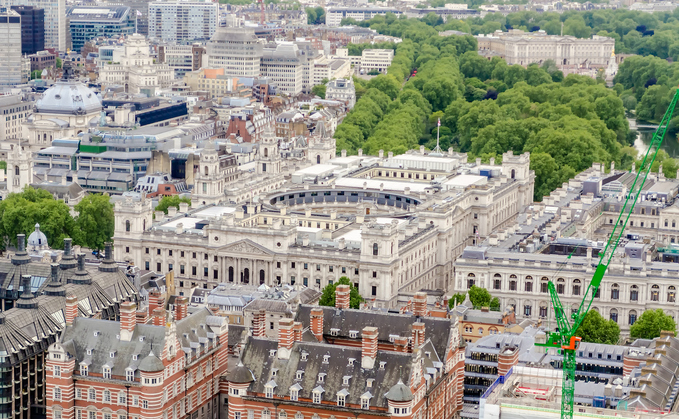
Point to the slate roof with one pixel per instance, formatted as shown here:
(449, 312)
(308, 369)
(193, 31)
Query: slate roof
(387, 324)
(258, 358)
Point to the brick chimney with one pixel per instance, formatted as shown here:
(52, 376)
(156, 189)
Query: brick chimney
(128, 320)
(418, 334)
(142, 316)
(71, 309)
(401, 344)
(285, 337)
(159, 317)
(156, 300)
(259, 324)
(342, 296)
(181, 307)
(420, 304)
(297, 330)
(369, 347)
(506, 359)
(317, 323)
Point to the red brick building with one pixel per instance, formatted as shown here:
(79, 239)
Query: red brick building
(324, 366)
(127, 370)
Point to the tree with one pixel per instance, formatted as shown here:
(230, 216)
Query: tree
(319, 90)
(651, 323)
(315, 16)
(596, 329)
(171, 201)
(20, 212)
(456, 299)
(480, 297)
(58, 62)
(95, 220)
(328, 296)
(36, 74)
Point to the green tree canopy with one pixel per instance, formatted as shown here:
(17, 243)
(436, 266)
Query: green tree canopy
(328, 295)
(479, 297)
(596, 329)
(95, 220)
(319, 90)
(171, 201)
(20, 212)
(651, 323)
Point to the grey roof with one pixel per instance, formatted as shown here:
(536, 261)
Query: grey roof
(240, 374)
(234, 34)
(258, 358)
(399, 393)
(108, 14)
(69, 97)
(151, 363)
(387, 324)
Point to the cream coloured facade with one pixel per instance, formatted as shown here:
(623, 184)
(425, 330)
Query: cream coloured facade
(235, 49)
(519, 47)
(376, 59)
(134, 68)
(13, 114)
(354, 226)
(11, 70)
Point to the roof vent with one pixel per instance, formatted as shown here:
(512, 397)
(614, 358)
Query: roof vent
(96, 333)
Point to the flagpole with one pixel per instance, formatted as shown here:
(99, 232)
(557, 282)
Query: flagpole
(438, 135)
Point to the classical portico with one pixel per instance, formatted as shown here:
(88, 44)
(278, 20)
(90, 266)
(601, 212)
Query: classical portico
(246, 262)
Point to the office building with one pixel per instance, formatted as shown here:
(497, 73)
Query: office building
(450, 11)
(13, 114)
(376, 59)
(344, 362)
(282, 65)
(182, 59)
(177, 22)
(32, 29)
(88, 22)
(170, 367)
(10, 48)
(56, 23)
(215, 83)
(237, 50)
(42, 60)
(334, 15)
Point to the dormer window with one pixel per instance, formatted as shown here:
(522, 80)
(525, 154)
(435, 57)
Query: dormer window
(107, 372)
(141, 338)
(112, 354)
(129, 375)
(89, 351)
(326, 359)
(294, 394)
(268, 389)
(304, 356)
(334, 332)
(353, 334)
(351, 362)
(392, 338)
(321, 377)
(135, 357)
(83, 370)
(365, 401)
(369, 382)
(341, 400)
(345, 380)
(299, 375)
(272, 353)
(274, 371)
(96, 333)
(382, 364)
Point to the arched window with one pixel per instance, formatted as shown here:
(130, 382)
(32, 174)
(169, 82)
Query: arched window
(230, 273)
(615, 292)
(655, 293)
(634, 293)
(318, 159)
(127, 225)
(576, 287)
(560, 285)
(614, 315)
(513, 174)
(266, 414)
(266, 152)
(544, 285)
(497, 281)
(528, 287)
(480, 330)
(632, 317)
(470, 280)
(375, 249)
(261, 276)
(16, 170)
(671, 294)
(206, 171)
(512, 282)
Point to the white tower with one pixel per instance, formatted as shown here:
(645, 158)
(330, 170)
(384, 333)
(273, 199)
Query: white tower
(269, 159)
(19, 169)
(209, 182)
(322, 147)
(133, 215)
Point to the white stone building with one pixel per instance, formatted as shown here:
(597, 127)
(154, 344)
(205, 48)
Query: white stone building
(341, 89)
(11, 70)
(334, 15)
(181, 21)
(283, 65)
(235, 49)
(376, 59)
(385, 225)
(134, 68)
(13, 113)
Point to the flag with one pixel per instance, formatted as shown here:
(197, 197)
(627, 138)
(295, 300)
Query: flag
(138, 13)
(439, 123)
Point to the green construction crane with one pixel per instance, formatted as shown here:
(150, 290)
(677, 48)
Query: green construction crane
(564, 337)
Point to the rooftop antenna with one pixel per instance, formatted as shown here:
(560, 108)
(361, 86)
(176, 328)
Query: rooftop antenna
(437, 151)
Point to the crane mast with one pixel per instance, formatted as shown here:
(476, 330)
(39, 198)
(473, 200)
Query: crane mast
(564, 338)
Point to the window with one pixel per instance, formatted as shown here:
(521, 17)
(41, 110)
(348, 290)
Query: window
(374, 290)
(340, 400)
(57, 371)
(57, 393)
(615, 292)
(107, 372)
(634, 293)
(122, 399)
(194, 270)
(83, 370)
(129, 375)
(512, 285)
(543, 311)
(560, 285)
(632, 317)
(268, 392)
(671, 294)
(317, 397)
(145, 404)
(527, 310)
(365, 403)
(614, 315)
(294, 394)
(529, 287)
(655, 293)
(576, 287)
(497, 284)
(375, 249)
(107, 395)
(92, 394)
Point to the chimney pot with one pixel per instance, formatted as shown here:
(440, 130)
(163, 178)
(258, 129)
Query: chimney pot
(317, 323)
(158, 316)
(67, 246)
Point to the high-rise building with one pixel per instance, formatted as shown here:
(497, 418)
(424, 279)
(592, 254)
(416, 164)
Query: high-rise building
(237, 50)
(13, 113)
(182, 21)
(10, 47)
(182, 59)
(32, 29)
(56, 32)
(88, 22)
(284, 66)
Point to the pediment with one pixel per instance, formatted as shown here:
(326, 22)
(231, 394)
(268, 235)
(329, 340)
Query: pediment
(246, 246)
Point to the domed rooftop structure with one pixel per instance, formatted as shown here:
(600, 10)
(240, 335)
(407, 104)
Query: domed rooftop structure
(69, 97)
(37, 240)
(151, 364)
(240, 375)
(399, 393)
